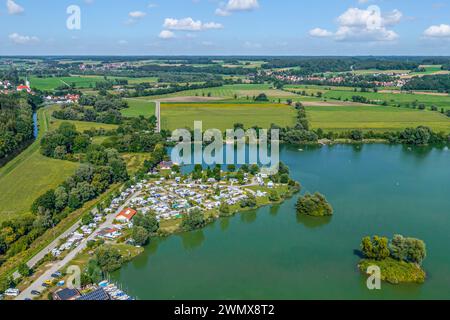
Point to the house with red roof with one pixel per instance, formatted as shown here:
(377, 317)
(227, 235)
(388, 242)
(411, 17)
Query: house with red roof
(23, 88)
(126, 215)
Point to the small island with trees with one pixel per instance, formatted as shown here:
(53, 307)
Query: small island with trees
(314, 205)
(399, 259)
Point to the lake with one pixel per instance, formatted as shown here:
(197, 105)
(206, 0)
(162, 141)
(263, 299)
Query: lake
(269, 253)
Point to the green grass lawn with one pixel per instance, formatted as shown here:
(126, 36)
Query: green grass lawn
(376, 118)
(30, 174)
(223, 116)
(138, 107)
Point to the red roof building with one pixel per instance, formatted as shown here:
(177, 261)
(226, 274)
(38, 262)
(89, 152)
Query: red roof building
(126, 215)
(24, 88)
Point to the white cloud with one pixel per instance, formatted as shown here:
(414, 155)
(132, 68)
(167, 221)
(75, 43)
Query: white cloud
(320, 33)
(236, 5)
(137, 14)
(363, 25)
(166, 34)
(188, 24)
(438, 31)
(252, 45)
(14, 8)
(21, 39)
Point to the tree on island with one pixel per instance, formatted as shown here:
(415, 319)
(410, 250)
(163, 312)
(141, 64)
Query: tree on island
(314, 205)
(376, 248)
(408, 249)
(399, 259)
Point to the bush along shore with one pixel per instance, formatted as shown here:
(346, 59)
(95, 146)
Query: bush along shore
(399, 259)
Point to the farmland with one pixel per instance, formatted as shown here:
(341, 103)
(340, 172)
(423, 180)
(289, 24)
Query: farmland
(55, 82)
(223, 116)
(80, 82)
(392, 98)
(243, 92)
(376, 118)
(138, 107)
(29, 175)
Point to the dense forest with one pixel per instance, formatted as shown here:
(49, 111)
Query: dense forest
(16, 124)
(440, 83)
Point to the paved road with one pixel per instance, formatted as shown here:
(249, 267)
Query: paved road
(55, 243)
(37, 284)
(158, 116)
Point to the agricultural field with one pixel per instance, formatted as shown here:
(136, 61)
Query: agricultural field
(376, 118)
(429, 70)
(375, 71)
(30, 174)
(223, 116)
(228, 92)
(52, 83)
(31, 178)
(390, 96)
(139, 107)
(81, 82)
(403, 99)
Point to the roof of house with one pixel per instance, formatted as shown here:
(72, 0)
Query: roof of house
(67, 294)
(106, 231)
(127, 213)
(97, 295)
(166, 164)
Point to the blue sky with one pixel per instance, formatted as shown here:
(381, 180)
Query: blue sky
(226, 27)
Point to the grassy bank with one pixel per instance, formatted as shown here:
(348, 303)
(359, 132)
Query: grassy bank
(394, 271)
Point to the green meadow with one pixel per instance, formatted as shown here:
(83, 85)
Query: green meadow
(139, 107)
(80, 82)
(30, 174)
(228, 92)
(376, 118)
(402, 98)
(223, 116)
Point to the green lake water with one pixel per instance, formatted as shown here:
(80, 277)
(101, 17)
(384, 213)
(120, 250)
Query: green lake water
(269, 253)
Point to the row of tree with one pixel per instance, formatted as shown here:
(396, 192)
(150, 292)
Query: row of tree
(16, 124)
(80, 113)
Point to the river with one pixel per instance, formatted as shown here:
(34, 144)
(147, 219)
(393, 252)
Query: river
(269, 253)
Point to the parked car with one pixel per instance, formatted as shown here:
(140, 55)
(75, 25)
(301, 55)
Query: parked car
(35, 293)
(11, 292)
(56, 275)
